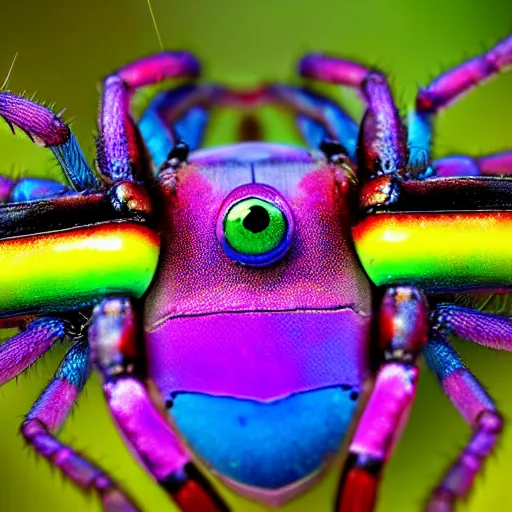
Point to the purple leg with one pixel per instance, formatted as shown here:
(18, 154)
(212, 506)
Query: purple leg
(47, 416)
(493, 331)
(114, 342)
(403, 333)
(382, 138)
(499, 164)
(25, 348)
(442, 92)
(47, 129)
(455, 83)
(477, 408)
(120, 156)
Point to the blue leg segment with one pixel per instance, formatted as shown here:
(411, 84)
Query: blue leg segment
(478, 409)
(420, 143)
(48, 415)
(28, 189)
(74, 164)
(182, 114)
(319, 118)
(173, 116)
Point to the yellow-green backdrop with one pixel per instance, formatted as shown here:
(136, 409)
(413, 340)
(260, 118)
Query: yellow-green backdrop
(65, 47)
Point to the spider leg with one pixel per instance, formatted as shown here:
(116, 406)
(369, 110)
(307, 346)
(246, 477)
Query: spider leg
(182, 113)
(499, 164)
(25, 348)
(318, 118)
(47, 416)
(46, 128)
(493, 331)
(28, 189)
(403, 333)
(114, 336)
(477, 408)
(448, 88)
(120, 151)
(453, 84)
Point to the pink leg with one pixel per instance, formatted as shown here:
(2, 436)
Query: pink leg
(499, 164)
(403, 333)
(477, 408)
(456, 82)
(25, 348)
(382, 141)
(47, 416)
(114, 337)
(119, 150)
(493, 331)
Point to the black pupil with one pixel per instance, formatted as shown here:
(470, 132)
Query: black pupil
(257, 220)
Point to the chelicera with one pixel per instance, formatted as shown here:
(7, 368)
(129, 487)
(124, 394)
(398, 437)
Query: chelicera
(255, 307)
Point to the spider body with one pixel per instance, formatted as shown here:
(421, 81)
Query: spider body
(245, 351)
(258, 306)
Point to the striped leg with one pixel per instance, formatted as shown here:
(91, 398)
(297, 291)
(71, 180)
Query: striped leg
(47, 416)
(114, 337)
(477, 408)
(403, 333)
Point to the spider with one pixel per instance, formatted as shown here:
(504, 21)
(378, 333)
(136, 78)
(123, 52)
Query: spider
(253, 309)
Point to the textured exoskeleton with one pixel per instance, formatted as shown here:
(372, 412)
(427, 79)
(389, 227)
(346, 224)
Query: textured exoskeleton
(256, 309)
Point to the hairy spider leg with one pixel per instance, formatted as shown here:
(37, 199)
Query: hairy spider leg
(445, 90)
(382, 146)
(25, 348)
(181, 114)
(120, 151)
(48, 415)
(487, 329)
(477, 408)
(46, 128)
(114, 336)
(402, 335)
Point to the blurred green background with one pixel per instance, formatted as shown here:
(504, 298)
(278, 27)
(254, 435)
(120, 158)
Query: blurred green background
(65, 47)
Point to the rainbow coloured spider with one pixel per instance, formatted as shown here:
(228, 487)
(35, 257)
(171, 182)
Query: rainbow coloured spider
(272, 299)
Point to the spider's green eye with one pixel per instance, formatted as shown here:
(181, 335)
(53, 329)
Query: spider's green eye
(254, 226)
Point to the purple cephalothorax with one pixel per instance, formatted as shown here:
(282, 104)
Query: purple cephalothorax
(257, 310)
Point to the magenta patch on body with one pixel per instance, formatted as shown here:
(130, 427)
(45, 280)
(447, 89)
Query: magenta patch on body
(261, 355)
(217, 326)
